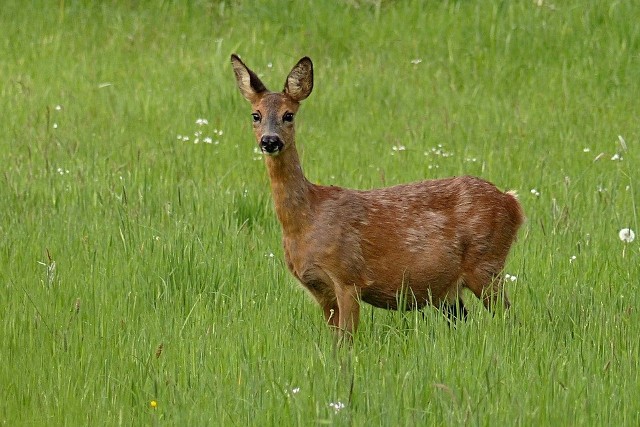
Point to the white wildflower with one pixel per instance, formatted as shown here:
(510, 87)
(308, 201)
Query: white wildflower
(535, 192)
(616, 157)
(627, 235)
(573, 258)
(398, 148)
(416, 61)
(510, 277)
(291, 392)
(202, 122)
(337, 406)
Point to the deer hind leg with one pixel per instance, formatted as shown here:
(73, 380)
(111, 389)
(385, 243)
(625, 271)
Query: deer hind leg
(487, 285)
(453, 306)
(455, 311)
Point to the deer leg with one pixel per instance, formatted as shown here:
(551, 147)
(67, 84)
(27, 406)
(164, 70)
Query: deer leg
(321, 287)
(348, 311)
(331, 314)
(455, 311)
(488, 288)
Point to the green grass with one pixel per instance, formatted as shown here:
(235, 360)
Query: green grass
(138, 267)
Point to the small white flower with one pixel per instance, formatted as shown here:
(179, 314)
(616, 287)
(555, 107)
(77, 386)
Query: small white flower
(202, 122)
(573, 258)
(291, 392)
(535, 192)
(416, 61)
(586, 150)
(616, 157)
(337, 406)
(55, 126)
(510, 277)
(398, 148)
(208, 140)
(58, 107)
(270, 255)
(185, 138)
(269, 65)
(627, 235)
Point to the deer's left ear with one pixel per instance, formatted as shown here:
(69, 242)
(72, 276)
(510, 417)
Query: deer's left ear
(300, 80)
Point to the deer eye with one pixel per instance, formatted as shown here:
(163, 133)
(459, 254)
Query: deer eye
(288, 117)
(255, 117)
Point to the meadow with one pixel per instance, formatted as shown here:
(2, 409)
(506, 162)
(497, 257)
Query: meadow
(142, 275)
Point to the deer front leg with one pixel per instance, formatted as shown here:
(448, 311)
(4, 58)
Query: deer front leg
(321, 287)
(348, 311)
(331, 313)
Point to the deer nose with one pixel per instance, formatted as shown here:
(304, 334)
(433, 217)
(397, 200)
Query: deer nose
(271, 144)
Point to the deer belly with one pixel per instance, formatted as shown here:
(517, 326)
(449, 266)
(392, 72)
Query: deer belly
(412, 291)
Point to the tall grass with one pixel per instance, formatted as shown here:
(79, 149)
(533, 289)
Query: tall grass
(139, 266)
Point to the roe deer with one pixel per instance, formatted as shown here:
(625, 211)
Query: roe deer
(409, 245)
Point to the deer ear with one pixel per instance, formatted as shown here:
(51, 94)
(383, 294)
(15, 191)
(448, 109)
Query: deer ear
(248, 82)
(300, 80)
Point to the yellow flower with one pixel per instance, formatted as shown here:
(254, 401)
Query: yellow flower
(153, 404)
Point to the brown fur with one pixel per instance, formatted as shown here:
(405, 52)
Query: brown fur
(417, 243)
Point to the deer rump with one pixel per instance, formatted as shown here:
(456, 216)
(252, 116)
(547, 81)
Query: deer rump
(408, 245)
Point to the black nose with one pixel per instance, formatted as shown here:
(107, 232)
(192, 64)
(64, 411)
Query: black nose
(271, 144)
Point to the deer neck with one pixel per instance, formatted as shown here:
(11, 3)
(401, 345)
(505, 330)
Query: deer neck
(290, 190)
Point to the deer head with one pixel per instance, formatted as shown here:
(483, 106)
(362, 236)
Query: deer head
(273, 112)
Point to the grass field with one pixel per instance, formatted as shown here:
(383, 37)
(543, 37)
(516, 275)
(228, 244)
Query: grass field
(142, 276)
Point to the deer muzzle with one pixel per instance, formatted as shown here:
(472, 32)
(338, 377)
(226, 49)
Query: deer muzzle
(271, 144)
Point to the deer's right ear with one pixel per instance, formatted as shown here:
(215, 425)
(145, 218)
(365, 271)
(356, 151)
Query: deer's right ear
(248, 82)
